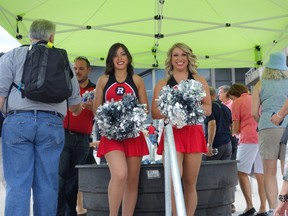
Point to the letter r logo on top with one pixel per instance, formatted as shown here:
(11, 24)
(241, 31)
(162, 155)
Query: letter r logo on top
(120, 90)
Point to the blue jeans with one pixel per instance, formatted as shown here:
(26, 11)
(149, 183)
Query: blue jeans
(75, 152)
(2, 180)
(152, 138)
(32, 143)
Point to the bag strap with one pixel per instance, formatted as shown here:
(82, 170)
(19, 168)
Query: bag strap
(46, 43)
(20, 85)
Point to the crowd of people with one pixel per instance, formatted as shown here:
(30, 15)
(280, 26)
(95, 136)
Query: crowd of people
(43, 142)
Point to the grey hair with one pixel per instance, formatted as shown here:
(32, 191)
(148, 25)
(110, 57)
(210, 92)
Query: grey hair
(42, 29)
(225, 88)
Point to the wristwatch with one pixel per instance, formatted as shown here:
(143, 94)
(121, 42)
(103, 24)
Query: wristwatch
(209, 145)
(283, 198)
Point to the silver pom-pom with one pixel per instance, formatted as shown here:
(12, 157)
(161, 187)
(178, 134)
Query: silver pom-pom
(182, 103)
(122, 119)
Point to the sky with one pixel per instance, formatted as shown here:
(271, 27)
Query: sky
(7, 42)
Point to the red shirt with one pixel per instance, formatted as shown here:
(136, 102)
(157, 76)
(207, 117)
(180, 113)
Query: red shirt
(115, 90)
(241, 111)
(82, 123)
(151, 129)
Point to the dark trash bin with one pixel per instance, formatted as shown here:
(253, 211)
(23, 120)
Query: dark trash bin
(215, 187)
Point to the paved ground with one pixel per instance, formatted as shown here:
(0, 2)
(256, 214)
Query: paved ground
(239, 199)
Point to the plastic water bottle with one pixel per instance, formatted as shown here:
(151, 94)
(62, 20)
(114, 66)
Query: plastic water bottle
(95, 138)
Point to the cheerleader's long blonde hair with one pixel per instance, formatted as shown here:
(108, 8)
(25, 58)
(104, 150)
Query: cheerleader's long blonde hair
(192, 64)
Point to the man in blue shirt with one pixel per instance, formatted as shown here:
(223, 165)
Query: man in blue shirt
(217, 130)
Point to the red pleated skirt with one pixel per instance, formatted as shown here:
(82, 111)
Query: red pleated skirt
(189, 139)
(132, 147)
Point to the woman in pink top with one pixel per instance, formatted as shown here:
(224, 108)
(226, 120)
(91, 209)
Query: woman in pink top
(222, 95)
(248, 150)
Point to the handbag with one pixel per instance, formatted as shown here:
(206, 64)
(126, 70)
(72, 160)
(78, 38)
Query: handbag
(284, 137)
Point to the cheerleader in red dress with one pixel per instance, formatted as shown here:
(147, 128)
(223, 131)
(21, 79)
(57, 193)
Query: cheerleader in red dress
(190, 141)
(190, 138)
(124, 157)
(133, 146)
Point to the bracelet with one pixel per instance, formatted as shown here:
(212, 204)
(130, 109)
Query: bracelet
(209, 145)
(283, 198)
